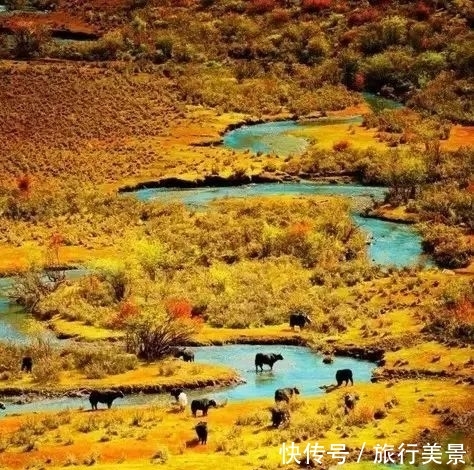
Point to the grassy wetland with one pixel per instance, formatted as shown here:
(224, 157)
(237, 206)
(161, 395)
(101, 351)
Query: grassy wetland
(101, 98)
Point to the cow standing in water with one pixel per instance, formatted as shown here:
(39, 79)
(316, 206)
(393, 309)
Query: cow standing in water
(268, 359)
(344, 375)
(106, 396)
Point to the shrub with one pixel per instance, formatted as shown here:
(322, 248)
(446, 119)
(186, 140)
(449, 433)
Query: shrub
(360, 17)
(279, 16)
(315, 6)
(151, 336)
(422, 11)
(260, 6)
(341, 145)
(447, 245)
(28, 39)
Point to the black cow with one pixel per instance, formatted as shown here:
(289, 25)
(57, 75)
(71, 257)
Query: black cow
(268, 359)
(176, 392)
(2, 406)
(299, 319)
(203, 404)
(285, 394)
(105, 396)
(279, 416)
(27, 364)
(201, 431)
(186, 354)
(344, 375)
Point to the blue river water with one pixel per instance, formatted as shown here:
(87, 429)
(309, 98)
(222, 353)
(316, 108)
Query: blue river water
(391, 243)
(276, 137)
(301, 368)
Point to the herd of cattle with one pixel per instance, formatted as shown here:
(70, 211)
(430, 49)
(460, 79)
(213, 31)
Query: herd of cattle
(279, 414)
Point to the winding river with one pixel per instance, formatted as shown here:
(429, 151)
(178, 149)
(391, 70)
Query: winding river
(391, 244)
(276, 137)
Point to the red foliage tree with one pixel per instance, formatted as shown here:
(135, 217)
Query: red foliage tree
(179, 308)
(280, 16)
(315, 6)
(299, 229)
(422, 11)
(128, 310)
(23, 183)
(359, 81)
(341, 146)
(261, 6)
(360, 17)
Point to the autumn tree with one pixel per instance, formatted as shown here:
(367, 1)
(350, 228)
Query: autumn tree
(28, 39)
(153, 335)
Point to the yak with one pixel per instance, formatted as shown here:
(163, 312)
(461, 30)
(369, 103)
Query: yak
(299, 319)
(202, 404)
(344, 375)
(279, 416)
(201, 431)
(27, 364)
(105, 396)
(186, 354)
(268, 359)
(285, 394)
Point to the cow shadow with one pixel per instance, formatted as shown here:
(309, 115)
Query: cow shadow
(192, 443)
(176, 410)
(329, 388)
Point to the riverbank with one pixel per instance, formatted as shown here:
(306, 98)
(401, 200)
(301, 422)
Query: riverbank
(148, 378)
(411, 411)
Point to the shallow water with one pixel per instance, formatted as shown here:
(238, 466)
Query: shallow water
(15, 324)
(274, 137)
(300, 368)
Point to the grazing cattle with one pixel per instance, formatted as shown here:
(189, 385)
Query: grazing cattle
(201, 431)
(183, 401)
(285, 394)
(2, 406)
(203, 404)
(299, 319)
(106, 396)
(344, 375)
(268, 359)
(279, 416)
(176, 392)
(186, 354)
(349, 402)
(26, 364)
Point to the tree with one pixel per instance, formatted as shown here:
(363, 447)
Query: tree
(28, 39)
(41, 279)
(33, 285)
(407, 173)
(151, 256)
(152, 335)
(118, 275)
